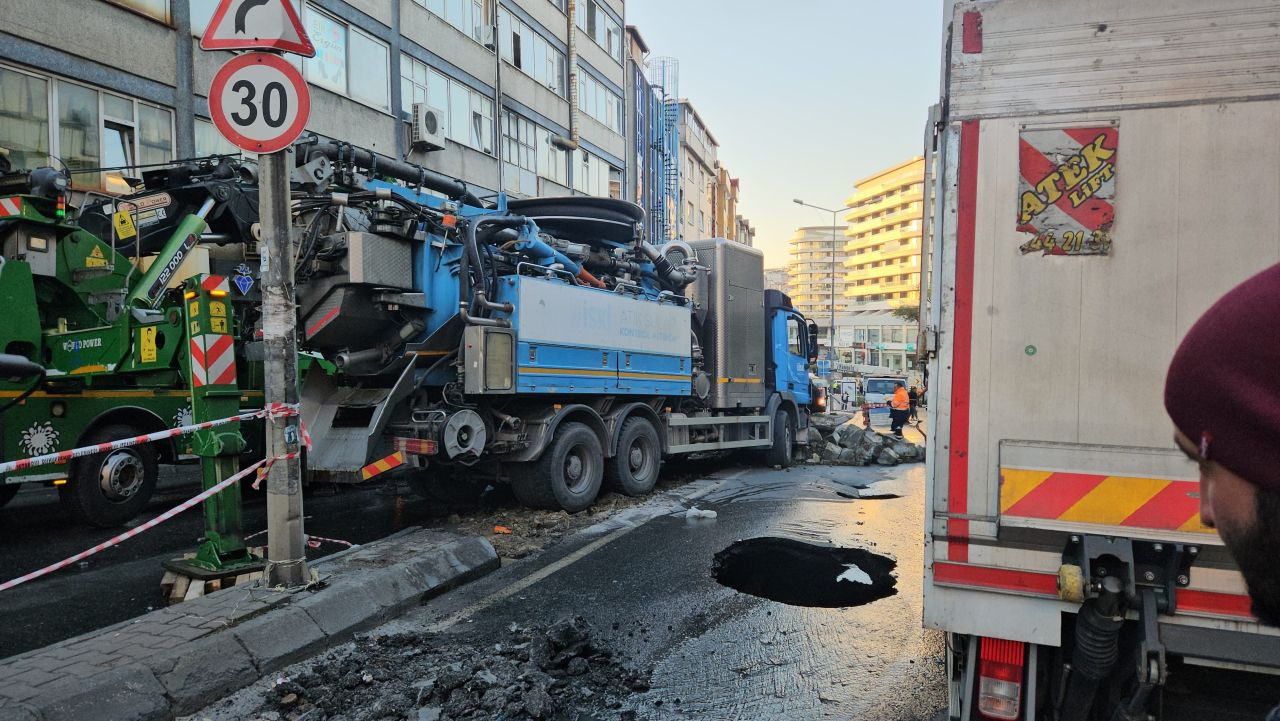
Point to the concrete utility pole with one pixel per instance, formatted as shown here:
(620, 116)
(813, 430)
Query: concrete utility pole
(286, 548)
(831, 333)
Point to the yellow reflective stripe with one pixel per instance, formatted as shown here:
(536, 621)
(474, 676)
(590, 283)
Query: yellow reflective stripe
(103, 394)
(741, 380)
(540, 370)
(1015, 483)
(1114, 500)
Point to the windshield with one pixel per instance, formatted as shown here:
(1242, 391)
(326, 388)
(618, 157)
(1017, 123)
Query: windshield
(880, 385)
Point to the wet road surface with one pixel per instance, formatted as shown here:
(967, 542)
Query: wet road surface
(124, 581)
(643, 581)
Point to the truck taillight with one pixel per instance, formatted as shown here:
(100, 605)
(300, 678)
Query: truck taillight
(414, 446)
(1000, 679)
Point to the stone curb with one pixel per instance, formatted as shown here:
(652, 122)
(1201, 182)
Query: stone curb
(370, 585)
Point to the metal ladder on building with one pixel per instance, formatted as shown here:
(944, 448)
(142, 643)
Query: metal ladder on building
(665, 212)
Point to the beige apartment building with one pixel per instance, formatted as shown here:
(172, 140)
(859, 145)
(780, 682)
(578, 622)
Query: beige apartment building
(882, 246)
(815, 254)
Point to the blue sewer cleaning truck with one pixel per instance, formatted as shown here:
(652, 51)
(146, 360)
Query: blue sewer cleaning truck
(541, 342)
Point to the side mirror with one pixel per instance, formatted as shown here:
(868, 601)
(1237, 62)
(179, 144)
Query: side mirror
(813, 342)
(18, 367)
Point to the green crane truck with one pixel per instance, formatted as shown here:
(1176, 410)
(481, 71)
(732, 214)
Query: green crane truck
(115, 336)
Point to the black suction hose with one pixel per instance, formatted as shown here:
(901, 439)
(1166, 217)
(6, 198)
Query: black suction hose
(414, 174)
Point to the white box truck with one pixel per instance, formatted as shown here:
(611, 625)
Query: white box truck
(1099, 174)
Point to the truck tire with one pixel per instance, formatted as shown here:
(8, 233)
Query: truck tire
(782, 450)
(567, 476)
(7, 492)
(634, 470)
(108, 489)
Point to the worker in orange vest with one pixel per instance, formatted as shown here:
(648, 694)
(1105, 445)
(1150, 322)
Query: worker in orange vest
(899, 408)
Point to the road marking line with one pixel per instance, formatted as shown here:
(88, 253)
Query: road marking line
(568, 560)
(531, 579)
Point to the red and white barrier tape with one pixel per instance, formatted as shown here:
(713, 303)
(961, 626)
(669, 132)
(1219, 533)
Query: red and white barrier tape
(132, 532)
(273, 412)
(315, 541)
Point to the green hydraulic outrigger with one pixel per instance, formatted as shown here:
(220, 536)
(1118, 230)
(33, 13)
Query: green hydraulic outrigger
(211, 371)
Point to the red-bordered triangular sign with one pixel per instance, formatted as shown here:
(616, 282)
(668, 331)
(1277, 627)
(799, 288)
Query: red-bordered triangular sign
(260, 24)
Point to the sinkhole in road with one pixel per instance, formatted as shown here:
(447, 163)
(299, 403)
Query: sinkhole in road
(805, 574)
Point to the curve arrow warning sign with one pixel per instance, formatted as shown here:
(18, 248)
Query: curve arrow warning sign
(257, 24)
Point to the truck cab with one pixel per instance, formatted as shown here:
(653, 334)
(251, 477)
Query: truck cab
(792, 346)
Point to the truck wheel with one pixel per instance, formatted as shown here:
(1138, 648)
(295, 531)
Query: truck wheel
(567, 476)
(7, 492)
(107, 489)
(634, 471)
(780, 453)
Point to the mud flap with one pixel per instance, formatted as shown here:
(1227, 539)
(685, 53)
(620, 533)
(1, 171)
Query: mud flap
(346, 423)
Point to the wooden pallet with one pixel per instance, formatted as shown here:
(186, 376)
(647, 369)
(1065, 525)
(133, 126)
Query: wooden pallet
(179, 587)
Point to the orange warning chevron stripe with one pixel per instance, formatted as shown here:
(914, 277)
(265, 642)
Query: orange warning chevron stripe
(1154, 503)
(382, 465)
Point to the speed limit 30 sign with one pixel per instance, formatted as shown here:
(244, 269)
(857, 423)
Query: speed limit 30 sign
(259, 102)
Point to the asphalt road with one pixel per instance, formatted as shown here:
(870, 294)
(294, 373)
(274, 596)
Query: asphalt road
(643, 580)
(124, 581)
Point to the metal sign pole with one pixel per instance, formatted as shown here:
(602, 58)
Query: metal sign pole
(286, 548)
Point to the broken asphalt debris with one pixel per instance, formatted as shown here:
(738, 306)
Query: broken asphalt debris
(838, 439)
(557, 673)
(805, 574)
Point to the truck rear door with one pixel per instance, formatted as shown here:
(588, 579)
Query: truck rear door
(1101, 180)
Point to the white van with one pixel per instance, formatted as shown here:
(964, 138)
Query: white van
(878, 391)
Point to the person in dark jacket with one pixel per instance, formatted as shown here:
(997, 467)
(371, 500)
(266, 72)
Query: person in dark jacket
(913, 396)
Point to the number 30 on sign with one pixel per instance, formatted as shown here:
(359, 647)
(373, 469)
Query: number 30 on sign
(259, 102)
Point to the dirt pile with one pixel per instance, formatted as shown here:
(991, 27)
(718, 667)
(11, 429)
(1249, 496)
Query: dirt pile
(848, 443)
(557, 673)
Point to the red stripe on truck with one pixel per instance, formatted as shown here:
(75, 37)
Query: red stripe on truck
(958, 464)
(1046, 584)
(971, 32)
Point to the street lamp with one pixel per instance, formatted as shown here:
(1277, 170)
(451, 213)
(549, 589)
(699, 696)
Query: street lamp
(831, 334)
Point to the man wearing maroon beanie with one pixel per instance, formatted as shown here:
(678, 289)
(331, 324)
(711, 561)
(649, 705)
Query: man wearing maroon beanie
(1223, 394)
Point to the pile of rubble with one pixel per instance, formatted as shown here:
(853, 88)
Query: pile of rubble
(553, 673)
(837, 439)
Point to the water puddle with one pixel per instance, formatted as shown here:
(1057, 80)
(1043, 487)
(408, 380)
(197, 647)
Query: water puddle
(805, 574)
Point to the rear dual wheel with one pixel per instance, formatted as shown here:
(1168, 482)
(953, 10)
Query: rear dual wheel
(567, 476)
(634, 470)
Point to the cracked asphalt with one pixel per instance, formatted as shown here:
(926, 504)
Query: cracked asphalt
(642, 578)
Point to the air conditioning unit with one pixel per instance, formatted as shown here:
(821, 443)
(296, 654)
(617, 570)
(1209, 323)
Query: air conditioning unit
(426, 128)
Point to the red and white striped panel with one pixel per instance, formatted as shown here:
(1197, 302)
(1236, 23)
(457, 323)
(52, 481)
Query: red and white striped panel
(216, 282)
(10, 206)
(213, 360)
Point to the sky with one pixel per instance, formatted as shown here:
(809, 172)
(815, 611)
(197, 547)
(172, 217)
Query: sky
(804, 97)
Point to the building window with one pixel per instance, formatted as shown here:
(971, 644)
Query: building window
(595, 176)
(600, 27)
(210, 142)
(520, 154)
(702, 221)
(158, 9)
(600, 102)
(369, 77)
(467, 114)
(89, 129)
(468, 16)
(553, 162)
(24, 118)
(526, 49)
(347, 61)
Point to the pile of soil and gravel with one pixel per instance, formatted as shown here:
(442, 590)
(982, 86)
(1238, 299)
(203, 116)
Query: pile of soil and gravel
(558, 673)
(837, 439)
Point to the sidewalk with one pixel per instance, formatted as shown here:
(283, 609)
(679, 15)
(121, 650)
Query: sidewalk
(176, 660)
